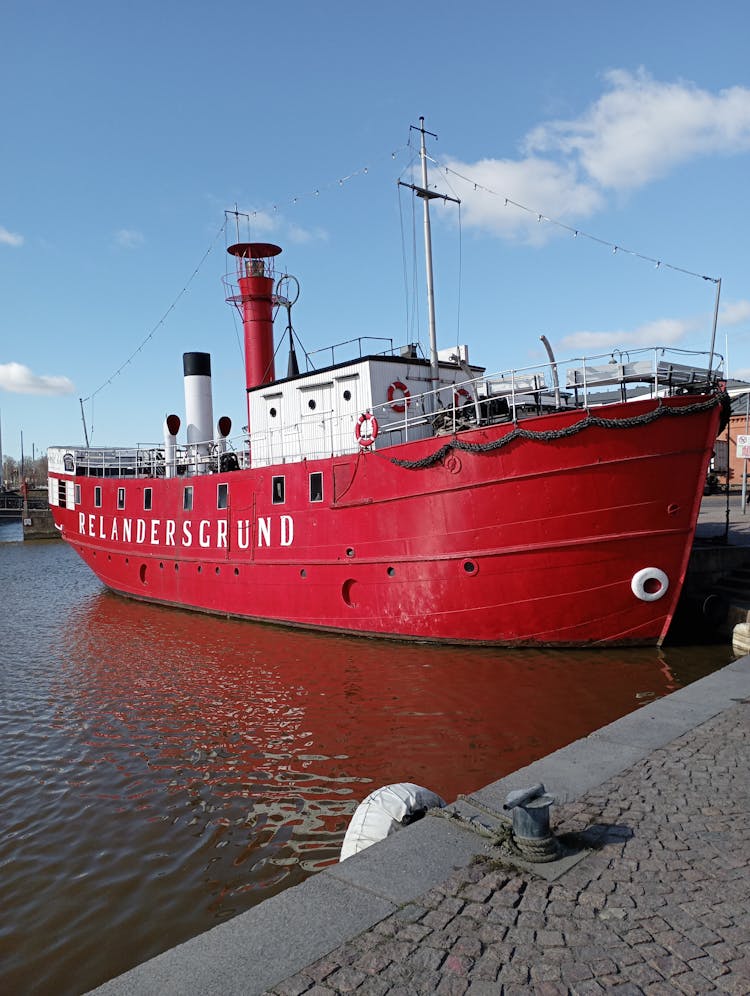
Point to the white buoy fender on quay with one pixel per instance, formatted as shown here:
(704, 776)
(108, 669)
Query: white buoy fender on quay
(384, 811)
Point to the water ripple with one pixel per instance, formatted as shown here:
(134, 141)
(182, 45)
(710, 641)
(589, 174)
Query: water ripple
(163, 771)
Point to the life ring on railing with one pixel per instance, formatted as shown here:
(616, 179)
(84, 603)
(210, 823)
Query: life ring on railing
(650, 584)
(460, 397)
(366, 429)
(399, 405)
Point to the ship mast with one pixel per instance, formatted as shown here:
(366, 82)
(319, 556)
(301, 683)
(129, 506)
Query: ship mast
(428, 195)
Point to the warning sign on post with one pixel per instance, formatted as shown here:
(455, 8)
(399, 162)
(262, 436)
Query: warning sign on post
(743, 447)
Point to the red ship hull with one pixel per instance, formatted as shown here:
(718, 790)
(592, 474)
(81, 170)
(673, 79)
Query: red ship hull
(541, 542)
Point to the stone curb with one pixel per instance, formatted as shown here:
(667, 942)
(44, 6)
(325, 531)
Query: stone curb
(260, 948)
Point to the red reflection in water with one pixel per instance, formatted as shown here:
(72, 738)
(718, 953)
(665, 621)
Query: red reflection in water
(204, 764)
(292, 715)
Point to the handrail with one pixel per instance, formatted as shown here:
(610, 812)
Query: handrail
(358, 340)
(524, 387)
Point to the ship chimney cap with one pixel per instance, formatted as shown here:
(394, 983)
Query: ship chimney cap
(254, 250)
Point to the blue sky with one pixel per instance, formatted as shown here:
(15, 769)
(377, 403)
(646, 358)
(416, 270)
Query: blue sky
(128, 129)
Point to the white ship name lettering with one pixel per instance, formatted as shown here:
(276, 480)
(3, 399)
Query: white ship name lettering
(270, 531)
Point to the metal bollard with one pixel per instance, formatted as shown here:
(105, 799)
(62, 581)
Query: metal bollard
(531, 831)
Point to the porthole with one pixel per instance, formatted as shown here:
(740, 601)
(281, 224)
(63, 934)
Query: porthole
(312, 404)
(236, 571)
(200, 569)
(470, 567)
(347, 592)
(161, 565)
(391, 572)
(142, 573)
(218, 570)
(350, 552)
(272, 412)
(347, 395)
(303, 573)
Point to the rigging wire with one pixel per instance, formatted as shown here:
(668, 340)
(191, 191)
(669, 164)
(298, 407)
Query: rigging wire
(339, 182)
(575, 232)
(161, 321)
(363, 171)
(411, 281)
(460, 265)
(460, 276)
(403, 261)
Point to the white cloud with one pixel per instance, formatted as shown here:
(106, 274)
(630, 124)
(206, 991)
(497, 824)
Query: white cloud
(274, 223)
(641, 129)
(10, 238)
(547, 186)
(662, 332)
(636, 132)
(19, 379)
(301, 236)
(263, 222)
(129, 238)
(734, 312)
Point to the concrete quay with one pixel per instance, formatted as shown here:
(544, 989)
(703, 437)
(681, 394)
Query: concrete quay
(655, 897)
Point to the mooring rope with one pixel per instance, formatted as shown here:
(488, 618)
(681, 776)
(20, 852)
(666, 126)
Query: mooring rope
(537, 851)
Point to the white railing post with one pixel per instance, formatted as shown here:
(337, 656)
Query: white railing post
(585, 385)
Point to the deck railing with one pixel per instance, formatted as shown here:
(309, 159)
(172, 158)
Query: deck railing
(509, 395)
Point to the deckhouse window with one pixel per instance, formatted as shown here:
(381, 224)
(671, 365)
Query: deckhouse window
(147, 499)
(187, 499)
(277, 490)
(97, 497)
(316, 487)
(77, 493)
(222, 496)
(121, 498)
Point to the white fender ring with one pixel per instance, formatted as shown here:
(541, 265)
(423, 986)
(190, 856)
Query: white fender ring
(650, 584)
(399, 405)
(385, 811)
(366, 429)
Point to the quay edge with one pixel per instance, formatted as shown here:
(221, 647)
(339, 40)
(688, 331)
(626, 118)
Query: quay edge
(260, 949)
(715, 600)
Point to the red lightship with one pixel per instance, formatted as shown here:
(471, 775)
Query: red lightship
(409, 497)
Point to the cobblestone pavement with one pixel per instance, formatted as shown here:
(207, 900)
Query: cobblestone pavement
(661, 906)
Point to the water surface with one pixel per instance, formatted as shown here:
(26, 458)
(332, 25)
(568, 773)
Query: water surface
(162, 771)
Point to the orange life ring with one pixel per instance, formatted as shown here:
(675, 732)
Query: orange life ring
(366, 434)
(399, 406)
(458, 395)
